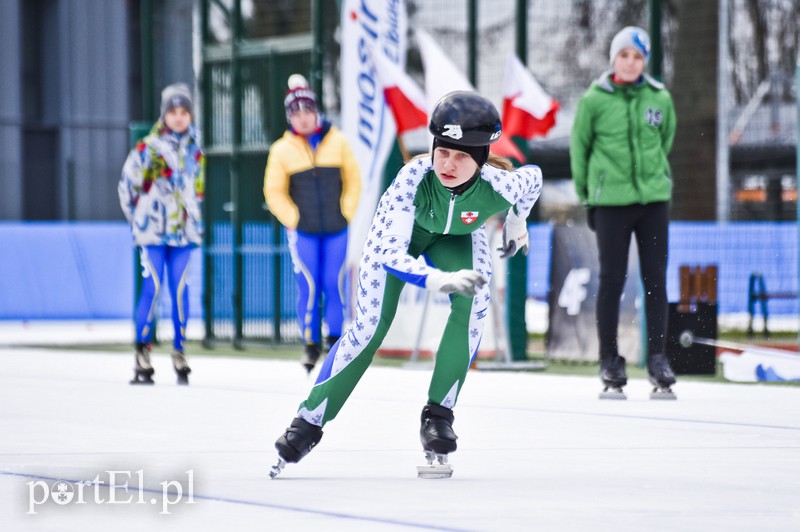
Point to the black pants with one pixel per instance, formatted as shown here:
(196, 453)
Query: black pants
(613, 228)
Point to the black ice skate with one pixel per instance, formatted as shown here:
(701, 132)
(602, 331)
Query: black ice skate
(438, 440)
(181, 366)
(142, 369)
(330, 340)
(612, 373)
(295, 443)
(661, 377)
(310, 357)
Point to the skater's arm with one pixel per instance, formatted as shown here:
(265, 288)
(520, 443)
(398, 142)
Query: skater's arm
(351, 183)
(130, 181)
(276, 187)
(521, 187)
(395, 219)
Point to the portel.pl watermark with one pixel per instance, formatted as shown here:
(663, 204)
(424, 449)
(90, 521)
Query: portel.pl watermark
(112, 487)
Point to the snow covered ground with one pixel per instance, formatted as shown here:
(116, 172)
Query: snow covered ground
(536, 452)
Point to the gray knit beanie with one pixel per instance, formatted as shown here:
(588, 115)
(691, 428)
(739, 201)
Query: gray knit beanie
(176, 95)
(630, 37)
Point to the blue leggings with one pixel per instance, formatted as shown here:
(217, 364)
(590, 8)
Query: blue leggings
(319, 268)
(154, 259)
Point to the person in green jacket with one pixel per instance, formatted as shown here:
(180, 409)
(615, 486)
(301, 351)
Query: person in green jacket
(623, 132)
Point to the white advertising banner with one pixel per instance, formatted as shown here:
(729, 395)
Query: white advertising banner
(369, 27)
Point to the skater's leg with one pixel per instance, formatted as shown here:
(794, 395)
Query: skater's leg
(464, 330)
(334, 251)
(152, 260)
(352, 355)
(304, 250)
(613, 227)
(177, 259)
(178, 268)
(652, 233)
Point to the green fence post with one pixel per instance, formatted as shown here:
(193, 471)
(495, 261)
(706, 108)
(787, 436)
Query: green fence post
(517, 277)
(237, 212)
(655, 39)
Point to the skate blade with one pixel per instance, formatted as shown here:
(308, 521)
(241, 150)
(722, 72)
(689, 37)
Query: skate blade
(275, 470)
(431, 471)
(142, 380)
(613, 394)
(663, 394)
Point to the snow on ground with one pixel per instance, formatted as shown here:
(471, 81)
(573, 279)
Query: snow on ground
(536, 452)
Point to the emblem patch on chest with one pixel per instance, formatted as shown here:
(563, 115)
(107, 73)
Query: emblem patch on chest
(469, 217)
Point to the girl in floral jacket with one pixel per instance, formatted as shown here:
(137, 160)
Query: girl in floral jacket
(161, 192)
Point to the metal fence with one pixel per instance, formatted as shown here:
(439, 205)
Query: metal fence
(729, 65)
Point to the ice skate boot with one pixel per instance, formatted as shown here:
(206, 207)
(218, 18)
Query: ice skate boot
(438, 440)
(331, 340)
(612, 373)
(310, 357)
(295, 443)
(181, 366)
(661, 377)
(142, 369)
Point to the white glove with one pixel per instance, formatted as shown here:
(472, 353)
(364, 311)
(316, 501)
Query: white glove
(465, 282)
(515, 235)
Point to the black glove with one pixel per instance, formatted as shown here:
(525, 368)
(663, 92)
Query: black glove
(590, 217)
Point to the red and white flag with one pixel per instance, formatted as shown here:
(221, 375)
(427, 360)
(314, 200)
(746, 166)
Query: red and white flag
(528, 111)
(442, 76)
(403, 96)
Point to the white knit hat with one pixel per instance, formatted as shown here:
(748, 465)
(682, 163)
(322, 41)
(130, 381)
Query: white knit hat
(630, 37)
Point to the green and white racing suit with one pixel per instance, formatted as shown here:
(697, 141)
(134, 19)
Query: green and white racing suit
(418, 216)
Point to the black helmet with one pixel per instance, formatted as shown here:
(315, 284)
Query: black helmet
(465, 118)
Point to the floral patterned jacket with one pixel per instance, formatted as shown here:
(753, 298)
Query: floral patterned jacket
(161, 188)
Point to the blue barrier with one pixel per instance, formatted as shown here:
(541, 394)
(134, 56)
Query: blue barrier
(62, 271)
(84, 270)
(737, 248)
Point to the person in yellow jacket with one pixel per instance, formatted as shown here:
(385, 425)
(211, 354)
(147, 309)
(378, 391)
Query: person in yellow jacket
(312, 185)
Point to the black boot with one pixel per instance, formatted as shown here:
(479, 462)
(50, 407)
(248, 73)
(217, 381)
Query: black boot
(298, 440)
(310, 356)
(612, 371)
(142, 369)
(330, 340)
(436, 430)
(659, 371)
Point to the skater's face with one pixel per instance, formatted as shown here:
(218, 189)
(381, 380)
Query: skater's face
(628, 65)
(303, 122)
(178, 119)
(453, 167)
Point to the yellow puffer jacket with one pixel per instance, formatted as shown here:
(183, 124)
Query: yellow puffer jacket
(313, 190)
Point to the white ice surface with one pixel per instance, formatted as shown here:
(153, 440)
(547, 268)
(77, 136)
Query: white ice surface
(536, 451)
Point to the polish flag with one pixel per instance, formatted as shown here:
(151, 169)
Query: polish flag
(442, 76)
(403, 96)
(528, 111)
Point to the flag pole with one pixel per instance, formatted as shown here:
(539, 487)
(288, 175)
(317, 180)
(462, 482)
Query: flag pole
(403, 150)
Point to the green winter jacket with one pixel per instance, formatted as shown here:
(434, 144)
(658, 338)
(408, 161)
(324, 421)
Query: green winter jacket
(620, 141)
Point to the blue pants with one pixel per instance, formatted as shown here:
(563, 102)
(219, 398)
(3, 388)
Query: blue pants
(319, 268)
(154, 260)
